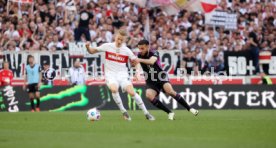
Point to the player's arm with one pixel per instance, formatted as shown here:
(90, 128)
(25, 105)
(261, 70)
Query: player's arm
(11, 78)
(40, 77)
(139, 72)
(25, 80)
(0, 77)
(93, 50)
(152, 58)
(149, 61)
(70, 76)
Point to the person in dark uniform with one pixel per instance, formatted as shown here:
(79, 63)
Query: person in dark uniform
(157, 79)
(254, 48)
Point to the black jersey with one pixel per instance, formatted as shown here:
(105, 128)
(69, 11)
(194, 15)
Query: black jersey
(190, 63)
(153, 73)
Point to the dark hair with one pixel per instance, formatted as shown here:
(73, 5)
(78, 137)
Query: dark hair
(5, 63)
(143, 42)
(30, 56)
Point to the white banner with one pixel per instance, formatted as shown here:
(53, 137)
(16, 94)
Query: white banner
(172, 7)
(22, 1)
(222, 19)
(62, 61)
(70, 5)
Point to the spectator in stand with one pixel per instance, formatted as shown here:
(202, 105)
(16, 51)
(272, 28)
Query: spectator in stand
(6, 75)
(189, 64)
(83, 26)
(52, 27)
(203, 65)
(254, 47)
(77, 74)
(216, 62)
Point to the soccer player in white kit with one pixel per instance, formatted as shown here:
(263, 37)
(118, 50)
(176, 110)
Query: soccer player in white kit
(117, 55)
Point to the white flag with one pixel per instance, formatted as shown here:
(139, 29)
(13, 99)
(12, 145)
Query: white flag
(141, 3)
(172, 7)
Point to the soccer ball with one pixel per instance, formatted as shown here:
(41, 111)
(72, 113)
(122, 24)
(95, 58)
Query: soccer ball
(93, 114)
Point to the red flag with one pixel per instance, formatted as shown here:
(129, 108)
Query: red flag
(208, 6)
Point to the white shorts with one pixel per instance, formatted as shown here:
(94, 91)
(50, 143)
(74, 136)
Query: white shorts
(119, 79)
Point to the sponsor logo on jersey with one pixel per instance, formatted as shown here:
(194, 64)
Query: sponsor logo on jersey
(116, 57)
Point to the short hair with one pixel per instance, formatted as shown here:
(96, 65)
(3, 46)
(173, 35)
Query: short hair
(122, 32)
(30, 56)
(143, 42)
(5, 62)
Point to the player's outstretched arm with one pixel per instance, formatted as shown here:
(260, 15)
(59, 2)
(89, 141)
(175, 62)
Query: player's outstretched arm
(90, 49)
(138, 72)
(25, 81)
(149, 61)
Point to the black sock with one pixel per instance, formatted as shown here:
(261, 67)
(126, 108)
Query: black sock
(32, 103)
(160, 105)
(182, 101)
(37, 102)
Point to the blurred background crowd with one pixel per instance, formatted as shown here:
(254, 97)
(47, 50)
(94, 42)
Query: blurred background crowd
(49, 26)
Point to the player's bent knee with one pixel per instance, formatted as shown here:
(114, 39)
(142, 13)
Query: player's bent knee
(131, 92)
(113, 89)
(171, 93)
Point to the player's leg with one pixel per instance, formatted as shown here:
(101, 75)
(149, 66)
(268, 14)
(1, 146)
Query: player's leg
(151, 95)
(167, 87)
(114, 88)
(113, 85)
(37, 96)
(31, 96)
(130, 90)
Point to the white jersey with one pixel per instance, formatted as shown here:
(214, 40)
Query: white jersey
(116, 59)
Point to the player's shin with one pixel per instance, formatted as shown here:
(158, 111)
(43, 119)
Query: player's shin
(32, 104)
(118, 101)
(182, 101)
(160, 105)
(37, 104)
(140, 103)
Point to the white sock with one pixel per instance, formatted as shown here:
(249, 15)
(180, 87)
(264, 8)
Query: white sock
(118, 101)
(140, 103)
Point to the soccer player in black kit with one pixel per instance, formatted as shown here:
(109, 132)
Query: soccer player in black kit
(157, 79)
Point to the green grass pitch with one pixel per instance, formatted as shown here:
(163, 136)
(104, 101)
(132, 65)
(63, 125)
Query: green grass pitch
(211, 129)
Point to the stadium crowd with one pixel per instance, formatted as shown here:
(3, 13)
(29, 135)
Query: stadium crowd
(51, 26)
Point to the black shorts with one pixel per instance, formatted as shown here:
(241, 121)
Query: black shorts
(157, 86)
(32, 88)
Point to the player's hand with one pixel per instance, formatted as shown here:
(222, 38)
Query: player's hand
(136, 77)
(38, 85)
(135, 62)
(24, 87)
(87, 45)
